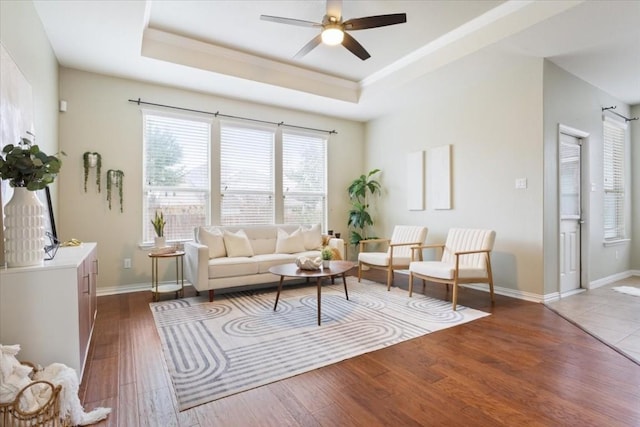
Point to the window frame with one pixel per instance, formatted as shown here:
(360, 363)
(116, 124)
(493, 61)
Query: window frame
(617, 186)
(220, 192)
(323, 192)
(214, 191)
(147, 240)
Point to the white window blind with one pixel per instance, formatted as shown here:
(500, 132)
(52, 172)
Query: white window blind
(569, 179)
(246, 175)
(176, 174)
(304, 178)
(614, 136)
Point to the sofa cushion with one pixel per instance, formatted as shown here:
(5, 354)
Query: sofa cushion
(312, 237)
(214, 239)
(237, 244)
(231, 267)
(289, 243)
(266, 261)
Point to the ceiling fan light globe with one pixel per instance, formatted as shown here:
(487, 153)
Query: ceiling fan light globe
(332, 36)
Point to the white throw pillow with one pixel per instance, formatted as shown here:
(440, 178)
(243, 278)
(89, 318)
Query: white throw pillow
(312, 237)
(237, 244)
(214, 240)
(289, 243)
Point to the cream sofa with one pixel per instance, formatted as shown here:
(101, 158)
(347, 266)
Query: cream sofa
(230, 256)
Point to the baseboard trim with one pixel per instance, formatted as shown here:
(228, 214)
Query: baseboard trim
(523, 295)
(132, 287)
(507, 292)
(613, 278)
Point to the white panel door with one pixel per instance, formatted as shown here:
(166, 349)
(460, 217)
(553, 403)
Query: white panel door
(570, 213)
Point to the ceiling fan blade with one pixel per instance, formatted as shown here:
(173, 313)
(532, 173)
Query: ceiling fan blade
(290, 21)
(309, 46)
(375, 21)
(355, 47)
(334, 8)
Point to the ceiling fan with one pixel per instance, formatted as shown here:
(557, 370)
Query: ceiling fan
(334, 29)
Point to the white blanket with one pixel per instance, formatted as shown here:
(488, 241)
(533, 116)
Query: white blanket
(14, 377)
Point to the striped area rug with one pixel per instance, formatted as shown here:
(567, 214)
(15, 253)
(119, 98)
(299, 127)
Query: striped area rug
(238, 342)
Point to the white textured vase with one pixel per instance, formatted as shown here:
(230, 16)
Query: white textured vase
(24, 229)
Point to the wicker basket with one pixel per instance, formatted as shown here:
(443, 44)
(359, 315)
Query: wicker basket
(47, 415)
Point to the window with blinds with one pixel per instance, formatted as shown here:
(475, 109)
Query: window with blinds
(176, 174)
(246, 175)
(304, 178)
(614, 136)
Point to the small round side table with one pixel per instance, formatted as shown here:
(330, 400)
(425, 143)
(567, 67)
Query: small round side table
(178, 288)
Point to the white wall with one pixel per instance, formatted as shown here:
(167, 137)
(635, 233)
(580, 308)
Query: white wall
(489, 108)
(575, 103)
(635, 188)
(23, 36)
(99, 118)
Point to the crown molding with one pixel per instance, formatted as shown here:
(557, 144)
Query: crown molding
(165, 46)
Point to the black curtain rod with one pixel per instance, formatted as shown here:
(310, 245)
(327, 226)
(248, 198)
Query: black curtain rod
(613, 107)
(218, 114)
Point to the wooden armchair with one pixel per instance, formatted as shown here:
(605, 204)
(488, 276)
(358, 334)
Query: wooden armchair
(398, 254)
(466, 258)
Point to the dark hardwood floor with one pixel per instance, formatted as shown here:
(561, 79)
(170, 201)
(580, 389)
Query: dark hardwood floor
(522, 366)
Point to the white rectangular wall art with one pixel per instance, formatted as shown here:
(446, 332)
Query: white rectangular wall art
(415, 181)
(16, 118)
(439, 177)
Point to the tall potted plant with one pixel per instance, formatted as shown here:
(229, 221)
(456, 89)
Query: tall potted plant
(360, 191)
(28, 169)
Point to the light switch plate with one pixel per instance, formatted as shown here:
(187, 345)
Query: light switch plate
(521, 183)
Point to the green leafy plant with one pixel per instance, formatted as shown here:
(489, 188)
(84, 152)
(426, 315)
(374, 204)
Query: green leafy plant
(326, 253)
(87, 160)
(24, 165)
(360, 192)
(158, 223)
(115, 178)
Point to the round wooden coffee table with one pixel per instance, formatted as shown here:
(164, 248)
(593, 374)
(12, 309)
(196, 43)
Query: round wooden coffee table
(336, 268)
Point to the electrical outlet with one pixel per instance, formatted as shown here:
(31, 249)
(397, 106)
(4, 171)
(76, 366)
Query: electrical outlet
(521, 183)
(617, 255)
(127, 263)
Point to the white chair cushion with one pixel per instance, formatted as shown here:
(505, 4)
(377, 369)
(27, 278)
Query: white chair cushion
(467, 239)
(382, 259)
(214, 240)
(237, 244)
(444, 270)
(374, 258)
(289, 243)
(406, 234)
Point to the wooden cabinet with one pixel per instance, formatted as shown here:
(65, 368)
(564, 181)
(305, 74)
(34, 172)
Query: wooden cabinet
(50, 309)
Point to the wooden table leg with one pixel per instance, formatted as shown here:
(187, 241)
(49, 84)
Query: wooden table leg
(319, 293)
(278, 294)
(344, 280)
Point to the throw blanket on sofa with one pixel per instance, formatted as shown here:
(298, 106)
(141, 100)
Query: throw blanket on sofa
(14, 376)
